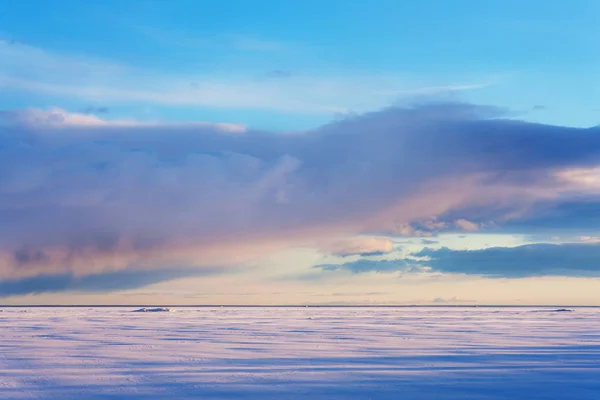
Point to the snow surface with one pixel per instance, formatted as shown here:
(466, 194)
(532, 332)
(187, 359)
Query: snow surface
(300, 353)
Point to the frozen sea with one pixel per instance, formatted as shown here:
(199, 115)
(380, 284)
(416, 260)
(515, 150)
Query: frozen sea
(300, 353)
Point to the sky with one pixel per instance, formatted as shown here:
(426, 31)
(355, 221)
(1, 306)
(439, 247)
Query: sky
(264, 152)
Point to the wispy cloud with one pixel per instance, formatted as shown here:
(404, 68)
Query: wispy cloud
(29, 69)
(57, 117)
(433, 89)
(109, 281)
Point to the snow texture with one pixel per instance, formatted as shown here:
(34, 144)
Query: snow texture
(300, 353)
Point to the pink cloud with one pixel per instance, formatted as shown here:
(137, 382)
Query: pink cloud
(83, 195)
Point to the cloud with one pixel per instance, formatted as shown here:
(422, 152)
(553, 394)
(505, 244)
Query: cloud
(590, 239)
(434, 89)
(517, 262)
(364, 246)
(85, 196)
(103, 282)
(57, 117)
(572, 259)
(465, 225)
(355, 294)
(278, 74)
(95, 110)
(51, 117)
(44, 73)
(451, 300)
(365, 265)
(577, 214)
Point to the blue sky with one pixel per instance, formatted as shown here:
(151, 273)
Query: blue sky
(356, 55)
(313, 152)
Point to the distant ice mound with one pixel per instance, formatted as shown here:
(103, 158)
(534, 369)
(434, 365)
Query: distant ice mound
(555, 310)
(157, 309)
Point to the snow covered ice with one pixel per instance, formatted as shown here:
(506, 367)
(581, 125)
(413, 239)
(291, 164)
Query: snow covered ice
(300, 353)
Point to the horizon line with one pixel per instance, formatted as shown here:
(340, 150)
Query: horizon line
(298, 306)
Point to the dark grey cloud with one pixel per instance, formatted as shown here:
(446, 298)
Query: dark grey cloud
(518, 262)
(428, 241)
(25, 256)
(70, 195)
(576, 215)
(103, 282)
(535, 260)
(568, 217)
